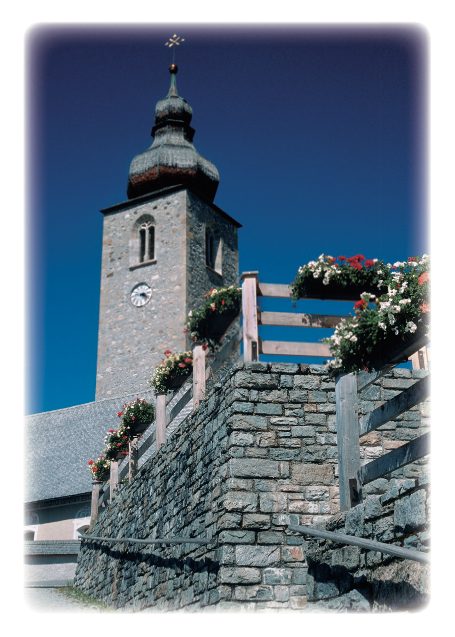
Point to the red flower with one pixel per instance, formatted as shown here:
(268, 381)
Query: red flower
(119, 444)
(411, 259)
(356, 265)
(188, 360)
(423, 278)
(138, 400)
(425, 308)
(120, 414)
(132, 417)
(95, 469)
(204, 347)
(90, 461)
(125, 437)
(185, 331)
(167, 352)
(341, 258)
(126, 453)
(213, 308)
(111, 431)
(359, 305)
(182, 365)
(369, 263)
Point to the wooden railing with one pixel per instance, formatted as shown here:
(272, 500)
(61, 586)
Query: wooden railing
(253, 317)
(194, 388)
(352, 475)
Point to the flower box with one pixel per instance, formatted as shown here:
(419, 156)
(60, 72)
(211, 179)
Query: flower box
(104, 477)
(220, 323)
(397, 349)
(315, 289)
(119, 456)
(178, 381)
(137, 429)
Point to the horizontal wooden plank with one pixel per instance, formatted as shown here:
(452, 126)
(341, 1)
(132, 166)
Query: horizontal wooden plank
(415, 394)
(177, 408)
(364, 379)
(369, 545)
(395, 459)
(283, 291)
(291, 319)
(274, 290)
(283, 348)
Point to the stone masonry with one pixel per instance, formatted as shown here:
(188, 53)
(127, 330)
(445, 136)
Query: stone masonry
(132, 340)
(260, 453)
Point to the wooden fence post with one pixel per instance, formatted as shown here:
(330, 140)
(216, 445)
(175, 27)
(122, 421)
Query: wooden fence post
(250, 316)
(113, 479)
(132, 457)
(198, 376)
(160, 420)
(95, 500)
(347, 439)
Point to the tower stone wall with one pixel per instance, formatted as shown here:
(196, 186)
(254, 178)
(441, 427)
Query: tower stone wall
(132, 340)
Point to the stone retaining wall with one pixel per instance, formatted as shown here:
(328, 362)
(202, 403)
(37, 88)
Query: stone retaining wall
(259, 454)
(342, 577)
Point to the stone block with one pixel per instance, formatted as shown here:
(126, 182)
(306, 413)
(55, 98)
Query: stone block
(269, 409)
(274, 396)
(317, 396)
(286, 382)
(256, 380)
(248, 423)
(302, 431)
(257, 555)
(315, 419)
(355, 521)
(272, 502)
(236, 575)
(241, 438)
(306, 382)
(237, 537)
(293, 554)
(268, 439)
(256, 521)
(281, 593)
(284, 368)
(277, 576)
(241, 501)
(284, 454)
(397, 383)
(242, 408)
(270, 537)
(370, 439)
(317, 493)
(347, 557)
(254, 468)
(410, 513)
(307, 474)
(259, 593)
(298, 396)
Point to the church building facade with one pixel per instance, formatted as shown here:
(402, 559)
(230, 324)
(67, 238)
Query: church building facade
(163, 248)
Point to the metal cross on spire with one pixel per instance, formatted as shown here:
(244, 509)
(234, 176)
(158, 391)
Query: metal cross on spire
(174, 41)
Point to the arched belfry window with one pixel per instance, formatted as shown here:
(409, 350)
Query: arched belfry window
(142, 241)
(147, 242)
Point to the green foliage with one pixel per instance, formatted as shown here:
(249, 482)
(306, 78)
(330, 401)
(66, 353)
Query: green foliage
(338, 276)
(116, 441)
(78, 596)
(100, 468)
(172, 367)
(137, 411)
(362, 341)
(217, 301)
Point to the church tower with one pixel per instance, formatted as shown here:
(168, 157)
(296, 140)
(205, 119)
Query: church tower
(163, 249)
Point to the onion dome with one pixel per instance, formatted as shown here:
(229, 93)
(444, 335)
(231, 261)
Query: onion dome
(172, 158)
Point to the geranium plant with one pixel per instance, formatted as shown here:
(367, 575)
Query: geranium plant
(361, 342)
(340, 275)
(100, 468)
(200, 322)
(136, 412)
(172, 371)
(116, 442)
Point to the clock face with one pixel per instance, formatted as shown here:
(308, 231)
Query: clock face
(141, 294)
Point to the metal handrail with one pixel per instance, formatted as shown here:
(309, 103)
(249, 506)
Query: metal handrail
(173, 540)
(371, 545)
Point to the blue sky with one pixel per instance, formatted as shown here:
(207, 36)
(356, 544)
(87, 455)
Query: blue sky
(319, 136)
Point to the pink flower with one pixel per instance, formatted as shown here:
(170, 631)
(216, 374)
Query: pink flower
(188, 360)
(182, 365)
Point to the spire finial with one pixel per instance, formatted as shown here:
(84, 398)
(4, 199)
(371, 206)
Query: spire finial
(173, 42)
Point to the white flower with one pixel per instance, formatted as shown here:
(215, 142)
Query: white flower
(382, 326)
(411, 326)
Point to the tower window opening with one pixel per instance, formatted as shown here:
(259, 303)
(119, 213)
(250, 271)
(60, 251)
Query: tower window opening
(146, 242)
(151, 244)
(209, 249)
(142, 237)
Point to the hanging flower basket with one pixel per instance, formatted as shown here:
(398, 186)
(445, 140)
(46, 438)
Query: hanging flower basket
(220, 322)
(136, 416)
(390, 331)
(100, 469)
(210, 322)
(344, 280)
(173, 372)
(116, 443)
